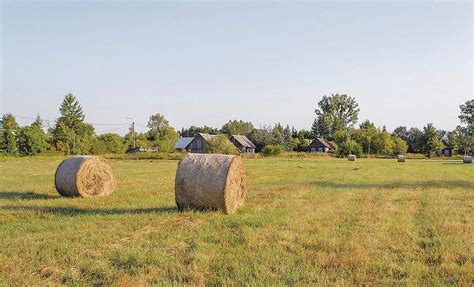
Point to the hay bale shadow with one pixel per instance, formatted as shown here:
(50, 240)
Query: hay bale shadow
(29, 195)
(73, 211)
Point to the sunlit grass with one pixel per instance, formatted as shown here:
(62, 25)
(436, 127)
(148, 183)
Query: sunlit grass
(306, 221)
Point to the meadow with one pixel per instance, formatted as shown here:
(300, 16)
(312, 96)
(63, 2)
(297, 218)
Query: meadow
(306, 221)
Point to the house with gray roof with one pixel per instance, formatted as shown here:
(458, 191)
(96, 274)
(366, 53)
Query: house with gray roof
(320, 145)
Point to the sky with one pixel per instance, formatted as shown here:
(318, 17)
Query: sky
(204, 63)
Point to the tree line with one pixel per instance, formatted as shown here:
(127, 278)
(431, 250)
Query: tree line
(336, 120)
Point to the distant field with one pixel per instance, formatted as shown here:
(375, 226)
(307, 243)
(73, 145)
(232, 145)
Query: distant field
(306, 221)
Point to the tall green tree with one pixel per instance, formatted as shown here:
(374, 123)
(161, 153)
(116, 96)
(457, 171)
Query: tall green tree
(336, 112)
(32, 139)
(282, 136)
(161, 134)
(467, 118)
(236, 128)
(399, 146)
(431, 142)
(383, 142)
(367, 133)
(9, 129)
(71, 134)
(415, 140)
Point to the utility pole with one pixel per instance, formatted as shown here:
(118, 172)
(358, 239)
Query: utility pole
(133, 131)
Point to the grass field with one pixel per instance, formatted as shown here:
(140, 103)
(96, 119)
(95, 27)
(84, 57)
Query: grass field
(309, 221)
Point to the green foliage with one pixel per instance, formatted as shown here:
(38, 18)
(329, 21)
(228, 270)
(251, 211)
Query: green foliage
(161, 134)
(399, 146)
(383, 143)
(467, 115)
(282, 137)
(272, 150)
(194, 131)
(260, 138)
(365, 135)
(415, 140)
(237, 128)
(401, 132)
(221, 145)
(9, 134)
(348, 147)
(300, 143)
(431, 141)
(336, 112)
(108, 143)
(32, 139)
(71, 135)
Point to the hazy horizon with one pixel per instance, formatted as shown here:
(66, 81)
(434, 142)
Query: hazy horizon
(206, 63)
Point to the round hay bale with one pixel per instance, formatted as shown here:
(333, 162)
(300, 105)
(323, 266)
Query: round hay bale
(211, 181)
(85, 176)
(352, 157)
(401, 158)
(467, 159)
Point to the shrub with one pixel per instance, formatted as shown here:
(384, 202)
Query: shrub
(272, 150)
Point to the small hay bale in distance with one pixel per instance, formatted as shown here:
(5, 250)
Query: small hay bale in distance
(467, 159)
(85, 176)
(401, 158)
(211, 181)
(351, 157)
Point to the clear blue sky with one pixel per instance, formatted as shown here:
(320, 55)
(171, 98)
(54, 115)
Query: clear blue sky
(204, 63)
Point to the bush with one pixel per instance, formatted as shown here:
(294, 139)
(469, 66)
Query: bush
(272, 150)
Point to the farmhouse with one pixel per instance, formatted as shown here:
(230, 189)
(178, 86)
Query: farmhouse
(198, 143)
(183, 143)
(320, 145)
(243, 144)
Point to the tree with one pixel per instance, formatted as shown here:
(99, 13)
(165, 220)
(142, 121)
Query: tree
(221, 144)
(431, 141)
(467, 118)
(336, 112)
(467, 115)
(465, 139)
(237, 128)
(161, 134)
(9, 128)
(401, 132)
(415, 140)
(383, 142)
(32, 139)
(300, 143)
(367, 133)
(108, 143)
(71, 134)
(156, 124)
(193, 131)
(399, 146)
(282, 137)
(260, 137)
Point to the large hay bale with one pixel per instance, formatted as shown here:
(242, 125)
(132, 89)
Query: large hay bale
(351, 157)
(401, 158)
(85, 176)
(467, 159)
(211, 181)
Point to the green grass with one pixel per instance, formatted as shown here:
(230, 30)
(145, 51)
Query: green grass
(307, 221)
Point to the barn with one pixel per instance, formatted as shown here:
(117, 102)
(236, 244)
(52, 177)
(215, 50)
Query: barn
(198, 143)
(243, 144)
(183, 143)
